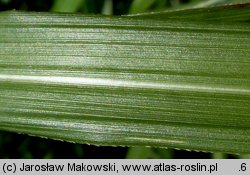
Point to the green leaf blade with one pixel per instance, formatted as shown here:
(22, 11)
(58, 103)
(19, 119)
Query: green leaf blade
(126, 81)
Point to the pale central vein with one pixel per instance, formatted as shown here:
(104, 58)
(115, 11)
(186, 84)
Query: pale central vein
(120, 83)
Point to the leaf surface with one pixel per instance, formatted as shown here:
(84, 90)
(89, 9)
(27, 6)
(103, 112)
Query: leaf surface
(131, 81)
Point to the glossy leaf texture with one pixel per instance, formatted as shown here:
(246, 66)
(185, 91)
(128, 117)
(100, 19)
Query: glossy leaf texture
(130, 81)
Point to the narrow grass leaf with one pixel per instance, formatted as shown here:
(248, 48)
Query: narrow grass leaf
(227, 13)
(131, 81)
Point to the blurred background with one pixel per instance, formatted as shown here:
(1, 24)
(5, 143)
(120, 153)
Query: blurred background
(14, 145)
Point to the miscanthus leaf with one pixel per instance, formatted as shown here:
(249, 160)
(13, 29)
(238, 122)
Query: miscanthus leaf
(131, 81)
